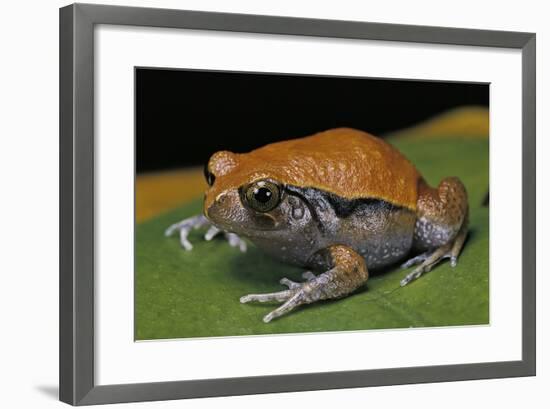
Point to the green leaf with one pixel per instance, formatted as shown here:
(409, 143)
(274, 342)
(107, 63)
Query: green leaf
(182, 294)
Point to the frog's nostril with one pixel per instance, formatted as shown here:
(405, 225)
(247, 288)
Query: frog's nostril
(221, 198)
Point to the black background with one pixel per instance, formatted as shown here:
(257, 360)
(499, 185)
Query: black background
(182, 116)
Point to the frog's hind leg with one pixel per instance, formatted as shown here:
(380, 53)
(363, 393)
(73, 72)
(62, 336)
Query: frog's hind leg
(441, 226)
(346, 271)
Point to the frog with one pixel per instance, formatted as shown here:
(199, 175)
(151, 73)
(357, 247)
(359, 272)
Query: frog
(339, 204)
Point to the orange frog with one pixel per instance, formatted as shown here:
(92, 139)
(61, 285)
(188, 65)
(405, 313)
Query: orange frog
(339, 203)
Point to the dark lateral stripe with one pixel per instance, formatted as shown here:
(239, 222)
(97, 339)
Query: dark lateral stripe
(342, 207)
(345, 207)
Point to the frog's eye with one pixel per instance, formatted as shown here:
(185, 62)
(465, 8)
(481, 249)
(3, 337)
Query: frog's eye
(263, 196)
(209, 176)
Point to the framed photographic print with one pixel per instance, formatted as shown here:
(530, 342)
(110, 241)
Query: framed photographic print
(254, 204)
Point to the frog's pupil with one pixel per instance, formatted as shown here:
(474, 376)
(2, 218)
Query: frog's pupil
(262, 195)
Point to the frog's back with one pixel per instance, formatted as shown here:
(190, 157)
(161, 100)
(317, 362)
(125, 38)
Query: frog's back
(347, 162)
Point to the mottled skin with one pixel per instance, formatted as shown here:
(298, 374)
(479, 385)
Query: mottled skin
(338, 202)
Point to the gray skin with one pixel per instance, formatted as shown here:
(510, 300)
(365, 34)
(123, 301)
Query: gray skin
(336, 237)
(317, 230)
(309, 220)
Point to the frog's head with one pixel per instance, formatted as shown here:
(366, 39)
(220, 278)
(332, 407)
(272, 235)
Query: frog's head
(245, 198)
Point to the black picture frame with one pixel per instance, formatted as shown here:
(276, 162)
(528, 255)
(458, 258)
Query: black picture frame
(77, 384)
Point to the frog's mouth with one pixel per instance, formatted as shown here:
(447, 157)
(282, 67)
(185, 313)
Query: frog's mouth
(254, 225)
(264, 222)
(242, 221)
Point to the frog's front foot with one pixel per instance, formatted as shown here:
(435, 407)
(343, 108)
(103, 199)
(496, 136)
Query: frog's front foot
(196, 222)
(297, 294)
(347, 272)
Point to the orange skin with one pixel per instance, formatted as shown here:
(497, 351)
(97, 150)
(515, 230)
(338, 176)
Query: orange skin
(339, 202)
(327, 161)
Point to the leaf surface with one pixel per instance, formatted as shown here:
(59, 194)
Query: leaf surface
(183, 294)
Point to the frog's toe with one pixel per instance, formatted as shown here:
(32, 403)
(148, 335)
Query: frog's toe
(289, 283)
(211, 233)
(416, 260)
(235, 241)
(308, 275)
(184, 241)
(232, 238)
(267, 297)
(184, 227)
(453, 260)
(298, 298)
(417, 272)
